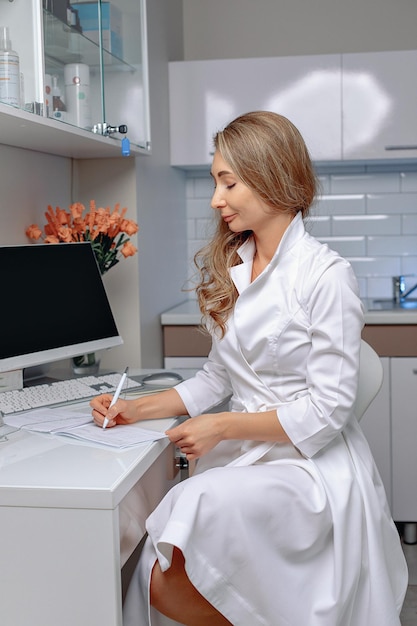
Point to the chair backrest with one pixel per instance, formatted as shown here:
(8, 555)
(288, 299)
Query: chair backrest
(370, 378)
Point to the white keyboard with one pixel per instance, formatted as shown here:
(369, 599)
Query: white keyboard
(62, 391)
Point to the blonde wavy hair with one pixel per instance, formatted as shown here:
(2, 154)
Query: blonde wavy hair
(268, 154)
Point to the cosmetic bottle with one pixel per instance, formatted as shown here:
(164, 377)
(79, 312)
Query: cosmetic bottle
(58, 105)
(47, 97)
(77, 94)
(9, 70)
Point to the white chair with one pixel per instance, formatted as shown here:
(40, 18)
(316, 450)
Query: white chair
(370, 378)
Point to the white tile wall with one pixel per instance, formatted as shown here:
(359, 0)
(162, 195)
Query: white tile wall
(367, 213)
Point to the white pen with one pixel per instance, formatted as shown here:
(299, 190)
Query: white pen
(116, 394)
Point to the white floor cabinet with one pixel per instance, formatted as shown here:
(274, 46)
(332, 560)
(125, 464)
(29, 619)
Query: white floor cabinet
(404, 438)
(390, 425)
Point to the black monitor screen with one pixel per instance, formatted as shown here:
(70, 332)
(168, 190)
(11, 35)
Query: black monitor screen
(54, 304)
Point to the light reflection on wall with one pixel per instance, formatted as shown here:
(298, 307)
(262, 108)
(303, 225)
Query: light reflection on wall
(367, 107)
(219, 111)
(314, 102)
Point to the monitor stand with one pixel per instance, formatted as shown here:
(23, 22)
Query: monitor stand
(11, 380)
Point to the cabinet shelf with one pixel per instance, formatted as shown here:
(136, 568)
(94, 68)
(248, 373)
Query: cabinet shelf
(21, 129)
(65, 44)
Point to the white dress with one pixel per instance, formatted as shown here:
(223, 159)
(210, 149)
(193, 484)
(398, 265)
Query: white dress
(284, 535)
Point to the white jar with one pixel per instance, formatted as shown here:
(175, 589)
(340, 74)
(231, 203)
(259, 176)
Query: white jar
(77, 95)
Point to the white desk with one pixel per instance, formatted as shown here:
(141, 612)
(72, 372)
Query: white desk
(64, 508)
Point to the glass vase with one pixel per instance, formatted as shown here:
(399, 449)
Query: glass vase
(85, 364)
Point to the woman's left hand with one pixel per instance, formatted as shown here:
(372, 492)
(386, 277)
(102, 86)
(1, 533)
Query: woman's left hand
(197, 436)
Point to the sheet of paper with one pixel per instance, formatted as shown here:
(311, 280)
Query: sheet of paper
(62, 422)
(48, 420)
(122, 436)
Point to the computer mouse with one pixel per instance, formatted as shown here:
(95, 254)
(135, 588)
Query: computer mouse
(163, 379)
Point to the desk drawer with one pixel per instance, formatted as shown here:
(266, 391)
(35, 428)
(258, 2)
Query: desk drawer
(392, 340)
(142, 499)
(187, 341)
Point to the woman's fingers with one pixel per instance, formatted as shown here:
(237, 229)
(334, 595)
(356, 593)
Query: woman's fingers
(101, 411)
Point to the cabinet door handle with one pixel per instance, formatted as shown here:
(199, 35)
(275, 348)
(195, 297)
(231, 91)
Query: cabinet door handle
(415, 372)
(404, 147)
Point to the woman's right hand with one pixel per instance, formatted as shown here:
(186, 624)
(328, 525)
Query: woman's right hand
(122, 412)
(166, 403)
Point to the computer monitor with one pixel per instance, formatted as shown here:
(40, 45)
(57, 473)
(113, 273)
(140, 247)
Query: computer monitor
(53, 305)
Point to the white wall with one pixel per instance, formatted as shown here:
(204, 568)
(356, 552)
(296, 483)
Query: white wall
(220, 29)
(111, 181)
(368, 214)
(29, 182)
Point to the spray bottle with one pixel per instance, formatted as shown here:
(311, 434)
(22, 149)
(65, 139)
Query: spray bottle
(9, 70)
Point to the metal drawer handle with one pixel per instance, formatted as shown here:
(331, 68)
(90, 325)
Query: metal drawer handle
(405, 147)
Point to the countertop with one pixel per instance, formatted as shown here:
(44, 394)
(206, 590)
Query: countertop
(188, 314)
(185, 314)
(84, 475)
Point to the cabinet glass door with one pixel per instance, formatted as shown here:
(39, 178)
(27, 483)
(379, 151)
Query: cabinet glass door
(96, 66)
(125, 69)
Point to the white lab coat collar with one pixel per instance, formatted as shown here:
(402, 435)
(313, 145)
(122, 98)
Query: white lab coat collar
(241, 274)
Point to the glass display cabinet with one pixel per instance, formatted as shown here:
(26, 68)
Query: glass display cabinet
(77, 68)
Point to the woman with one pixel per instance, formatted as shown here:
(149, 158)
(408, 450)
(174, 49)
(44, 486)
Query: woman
(285, 521)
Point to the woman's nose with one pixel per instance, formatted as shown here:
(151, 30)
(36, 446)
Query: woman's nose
(217, 201)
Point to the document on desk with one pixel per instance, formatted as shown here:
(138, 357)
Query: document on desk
(56, 421)
(122, 436)
(48, 420)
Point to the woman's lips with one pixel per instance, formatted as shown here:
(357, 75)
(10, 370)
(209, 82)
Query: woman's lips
(228, 218)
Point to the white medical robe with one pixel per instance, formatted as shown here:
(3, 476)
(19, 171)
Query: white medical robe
(293, 534)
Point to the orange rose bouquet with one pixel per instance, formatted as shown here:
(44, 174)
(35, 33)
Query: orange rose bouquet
(108, 231)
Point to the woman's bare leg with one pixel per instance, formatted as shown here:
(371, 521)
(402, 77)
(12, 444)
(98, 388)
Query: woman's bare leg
(173, 595)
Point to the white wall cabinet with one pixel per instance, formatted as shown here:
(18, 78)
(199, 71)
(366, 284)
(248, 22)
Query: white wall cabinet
(347, 107)
(379, 105)
(49, 42)
(205, 95)
(404, 438)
